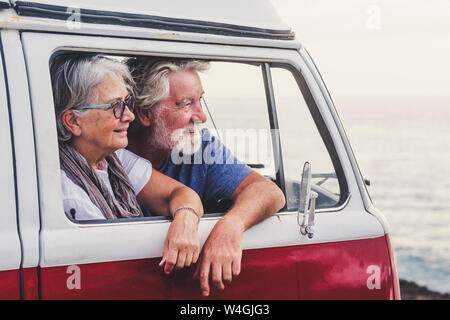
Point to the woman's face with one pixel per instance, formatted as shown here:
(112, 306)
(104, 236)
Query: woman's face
(101, 132)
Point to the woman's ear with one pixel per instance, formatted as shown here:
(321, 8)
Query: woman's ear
(145, 117)
(70, 121)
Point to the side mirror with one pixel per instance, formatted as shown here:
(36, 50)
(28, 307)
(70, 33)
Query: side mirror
(305, 197)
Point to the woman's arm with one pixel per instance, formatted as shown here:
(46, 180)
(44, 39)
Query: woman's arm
(163, 195)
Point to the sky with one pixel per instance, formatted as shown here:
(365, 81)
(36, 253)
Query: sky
(375, 46)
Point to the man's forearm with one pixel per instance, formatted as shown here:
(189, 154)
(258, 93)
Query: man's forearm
(255, 199)
(256, 202)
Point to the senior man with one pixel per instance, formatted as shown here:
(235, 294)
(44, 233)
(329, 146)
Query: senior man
(169, 94)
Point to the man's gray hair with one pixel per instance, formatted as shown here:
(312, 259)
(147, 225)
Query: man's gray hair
(74, 78)
(151, 77)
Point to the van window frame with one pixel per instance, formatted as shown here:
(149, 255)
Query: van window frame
(325, 135)
(265, 66)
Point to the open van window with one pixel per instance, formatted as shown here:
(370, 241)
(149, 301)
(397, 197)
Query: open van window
(305, 140)
(256, 128)
(240, 114)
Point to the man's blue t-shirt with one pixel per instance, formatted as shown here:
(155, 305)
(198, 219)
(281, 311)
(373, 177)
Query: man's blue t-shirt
(213, 172)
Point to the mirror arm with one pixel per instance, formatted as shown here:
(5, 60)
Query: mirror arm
(308, 229)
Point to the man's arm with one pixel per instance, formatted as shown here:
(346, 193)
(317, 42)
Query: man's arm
(255, 199)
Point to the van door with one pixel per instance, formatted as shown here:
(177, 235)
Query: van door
(10, 250)
(103, 259)
(282, 122)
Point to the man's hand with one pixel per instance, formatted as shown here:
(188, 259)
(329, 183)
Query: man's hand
(181, 247)
(221, 256)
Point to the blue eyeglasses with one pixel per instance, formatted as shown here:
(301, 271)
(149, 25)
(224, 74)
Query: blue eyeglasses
(117, 106)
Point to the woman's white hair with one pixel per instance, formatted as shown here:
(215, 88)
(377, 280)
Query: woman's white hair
(74, 78)
(150, 76)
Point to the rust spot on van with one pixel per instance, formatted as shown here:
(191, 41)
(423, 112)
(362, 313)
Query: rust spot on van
(20, 19)
(234, 47)
(17, 18)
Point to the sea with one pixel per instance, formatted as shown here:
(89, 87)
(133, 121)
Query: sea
(402, 145)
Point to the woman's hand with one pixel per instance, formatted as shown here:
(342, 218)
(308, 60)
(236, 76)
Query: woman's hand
(163, 195)
(181, 247)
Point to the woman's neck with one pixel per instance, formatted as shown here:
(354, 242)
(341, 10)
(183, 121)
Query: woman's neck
(95, 159)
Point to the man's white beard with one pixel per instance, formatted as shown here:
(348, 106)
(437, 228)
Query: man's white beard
(184, 141)
(179, 141)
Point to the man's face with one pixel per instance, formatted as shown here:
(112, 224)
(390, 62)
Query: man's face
(176, 120)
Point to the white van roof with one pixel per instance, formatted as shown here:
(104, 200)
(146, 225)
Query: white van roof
(255, 19)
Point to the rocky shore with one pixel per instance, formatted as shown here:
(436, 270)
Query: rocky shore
(412, 291)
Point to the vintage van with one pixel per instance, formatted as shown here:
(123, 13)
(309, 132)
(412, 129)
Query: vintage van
(328, 242)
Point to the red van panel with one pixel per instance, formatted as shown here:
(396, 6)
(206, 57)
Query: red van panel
(30, 283)
(9, 285)
(359, 269)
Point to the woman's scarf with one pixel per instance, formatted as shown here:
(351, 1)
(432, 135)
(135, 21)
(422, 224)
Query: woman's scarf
(124, 205)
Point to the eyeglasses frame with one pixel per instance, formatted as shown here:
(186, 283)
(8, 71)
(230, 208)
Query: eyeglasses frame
(113, 105)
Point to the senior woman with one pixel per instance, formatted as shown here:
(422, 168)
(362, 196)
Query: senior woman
(102, 180)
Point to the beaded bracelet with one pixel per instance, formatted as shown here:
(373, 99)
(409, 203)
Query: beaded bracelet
(187, 208)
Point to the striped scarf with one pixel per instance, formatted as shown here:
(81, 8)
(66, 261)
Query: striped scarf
(77, 169)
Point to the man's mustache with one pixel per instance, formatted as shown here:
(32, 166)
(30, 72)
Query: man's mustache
(178, 133)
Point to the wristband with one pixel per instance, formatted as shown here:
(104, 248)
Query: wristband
(187, 208)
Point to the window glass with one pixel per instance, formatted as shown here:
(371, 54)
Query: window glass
(237, 112)
(301, 142)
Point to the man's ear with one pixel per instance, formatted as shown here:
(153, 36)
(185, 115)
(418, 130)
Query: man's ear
(70, 121)
(145, 117)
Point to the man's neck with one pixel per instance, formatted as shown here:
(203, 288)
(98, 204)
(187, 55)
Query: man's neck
(137, 144)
